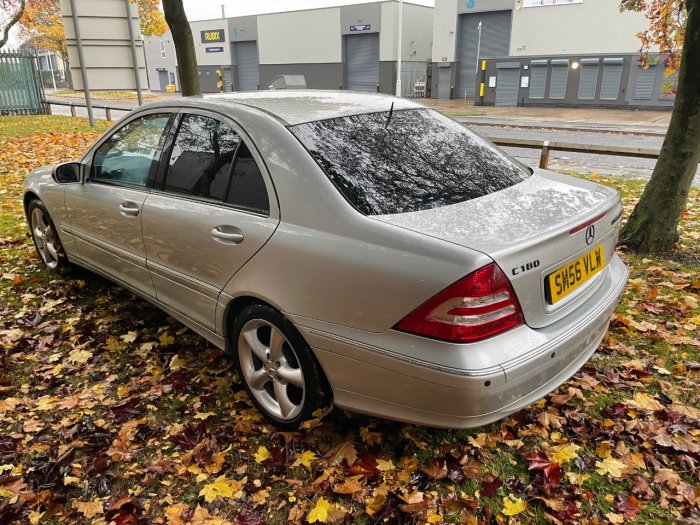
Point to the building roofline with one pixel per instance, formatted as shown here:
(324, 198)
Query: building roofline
(380, 2)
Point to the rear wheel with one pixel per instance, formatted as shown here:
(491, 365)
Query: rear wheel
(276, 366)
(46, 240)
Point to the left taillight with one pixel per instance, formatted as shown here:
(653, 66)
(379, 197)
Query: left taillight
(476, 307)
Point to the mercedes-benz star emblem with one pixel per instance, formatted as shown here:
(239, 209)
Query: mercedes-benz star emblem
(590, 234)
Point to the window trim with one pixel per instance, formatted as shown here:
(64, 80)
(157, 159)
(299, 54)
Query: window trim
(159, 176)
(87, 160)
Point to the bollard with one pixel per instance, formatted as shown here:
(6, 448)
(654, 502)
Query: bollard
(48, 109)
(108, 114)
(544, 156)
(72, 110)
(220, 83)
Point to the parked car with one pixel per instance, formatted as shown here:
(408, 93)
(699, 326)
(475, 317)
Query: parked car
(336, 244)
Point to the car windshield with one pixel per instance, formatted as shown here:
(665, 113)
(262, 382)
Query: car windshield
(408, 160)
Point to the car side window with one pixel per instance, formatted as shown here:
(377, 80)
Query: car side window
(247, 187)
(201, 158)
(210, 160)
(128, 155)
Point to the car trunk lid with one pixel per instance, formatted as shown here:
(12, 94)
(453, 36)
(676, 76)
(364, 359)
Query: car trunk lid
(549, 224)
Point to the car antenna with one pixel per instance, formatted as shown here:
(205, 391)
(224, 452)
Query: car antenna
(388, 119)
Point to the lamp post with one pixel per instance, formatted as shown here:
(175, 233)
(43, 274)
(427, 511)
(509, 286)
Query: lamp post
(478, 51)
(398, 63)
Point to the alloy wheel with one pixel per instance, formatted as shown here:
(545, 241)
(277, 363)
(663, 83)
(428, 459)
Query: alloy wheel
(270, 366)
(47, 243)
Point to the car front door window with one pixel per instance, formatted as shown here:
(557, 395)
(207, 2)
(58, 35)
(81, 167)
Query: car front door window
(128, 156)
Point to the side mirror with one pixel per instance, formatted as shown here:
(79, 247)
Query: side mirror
(67, 172)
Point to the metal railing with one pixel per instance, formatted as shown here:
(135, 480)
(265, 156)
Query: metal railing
(107, 109)
(546, 146)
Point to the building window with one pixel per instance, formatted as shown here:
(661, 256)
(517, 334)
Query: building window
(162, 49)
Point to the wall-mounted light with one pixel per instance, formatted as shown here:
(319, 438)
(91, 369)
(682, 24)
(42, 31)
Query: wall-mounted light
(574, 65)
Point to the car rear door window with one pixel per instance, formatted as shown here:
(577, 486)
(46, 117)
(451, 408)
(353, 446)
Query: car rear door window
(247, 187)
(201, 158)
(210, 160)
(129, 154)
(408, 160)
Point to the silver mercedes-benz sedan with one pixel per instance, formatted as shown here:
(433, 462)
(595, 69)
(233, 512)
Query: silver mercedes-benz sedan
(353, 247)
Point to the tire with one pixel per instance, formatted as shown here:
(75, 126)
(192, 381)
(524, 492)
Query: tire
(276, 366)
(46, 240)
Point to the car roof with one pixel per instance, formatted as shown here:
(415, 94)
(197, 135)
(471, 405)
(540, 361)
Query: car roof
(298, 106)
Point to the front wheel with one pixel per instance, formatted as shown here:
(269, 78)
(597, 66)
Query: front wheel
(46, 240)
(276, 367)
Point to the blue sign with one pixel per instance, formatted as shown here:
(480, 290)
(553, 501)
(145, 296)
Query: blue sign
(214, 49)
(362, 27)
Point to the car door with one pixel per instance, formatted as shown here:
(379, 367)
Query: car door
(211, 210)
(105, 211)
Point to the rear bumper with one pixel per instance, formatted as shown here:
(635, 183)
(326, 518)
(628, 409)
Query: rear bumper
(408, 378)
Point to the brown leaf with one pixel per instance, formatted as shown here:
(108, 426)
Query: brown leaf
(89, 509)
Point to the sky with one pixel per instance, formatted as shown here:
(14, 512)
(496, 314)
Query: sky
(208, 9)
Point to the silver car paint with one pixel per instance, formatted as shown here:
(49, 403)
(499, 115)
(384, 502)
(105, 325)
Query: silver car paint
(345, 279)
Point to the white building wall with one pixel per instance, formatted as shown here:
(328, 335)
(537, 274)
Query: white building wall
(308, 37)
(444, 30)
(417, 36)
(594, 26)
(200, 48)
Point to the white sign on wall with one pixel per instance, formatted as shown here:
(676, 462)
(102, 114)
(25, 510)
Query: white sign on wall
(544, 3)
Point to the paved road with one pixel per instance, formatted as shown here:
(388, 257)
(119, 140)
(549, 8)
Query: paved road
(583, 162)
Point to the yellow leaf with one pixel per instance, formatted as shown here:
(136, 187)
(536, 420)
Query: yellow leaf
(221, 487)
(611, 466)
(262, 454)
(433, 517)
(375, 504)
(89, 509)
(615, 518)
(72, 480)
(319, 512)
(385, 465)
(645, 401)
(513, 506)
(375, 438)
(79, 356)
(562, 454)
(129, 337)
(305, 459)
(176, 363)
(204, 415)
(166, 339)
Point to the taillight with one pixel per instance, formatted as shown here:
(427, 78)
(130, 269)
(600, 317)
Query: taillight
(478, 306)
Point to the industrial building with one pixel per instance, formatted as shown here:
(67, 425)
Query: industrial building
(543, 52)
(345, 47)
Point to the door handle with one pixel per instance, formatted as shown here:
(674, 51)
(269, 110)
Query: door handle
(234, 237)
(129, 208)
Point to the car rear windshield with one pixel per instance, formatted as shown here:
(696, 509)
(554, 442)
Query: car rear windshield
(408, 160)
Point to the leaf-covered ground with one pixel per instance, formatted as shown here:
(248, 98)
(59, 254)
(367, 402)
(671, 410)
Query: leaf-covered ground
(112, 412)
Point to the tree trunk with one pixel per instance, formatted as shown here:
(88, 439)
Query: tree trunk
(184, 47)
(653, 225)
(10, 23)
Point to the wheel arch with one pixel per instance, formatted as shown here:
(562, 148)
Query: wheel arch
(29, 196)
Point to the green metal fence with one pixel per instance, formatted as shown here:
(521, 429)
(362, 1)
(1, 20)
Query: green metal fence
(20, 89)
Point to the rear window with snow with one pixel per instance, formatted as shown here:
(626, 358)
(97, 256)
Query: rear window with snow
(408, 160)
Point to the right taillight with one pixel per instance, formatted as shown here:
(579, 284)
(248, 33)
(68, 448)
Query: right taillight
(478, 306)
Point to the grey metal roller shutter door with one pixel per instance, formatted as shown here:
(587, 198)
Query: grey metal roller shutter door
(248, 69)
(362, 61)
(538, 78)
(507, 83)
(495, 41)
(612, 74)
(558, 79)
(588, 81)
(644, 83)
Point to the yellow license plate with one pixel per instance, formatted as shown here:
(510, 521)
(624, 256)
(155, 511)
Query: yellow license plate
(567, 278)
